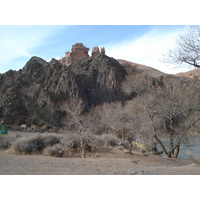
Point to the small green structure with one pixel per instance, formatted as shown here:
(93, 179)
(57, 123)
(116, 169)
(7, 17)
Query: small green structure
(4, 130)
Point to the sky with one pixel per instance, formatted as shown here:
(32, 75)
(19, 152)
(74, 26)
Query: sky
(143, 44)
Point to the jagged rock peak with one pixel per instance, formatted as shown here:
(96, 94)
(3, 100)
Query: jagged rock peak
(34, 64)
(78, 52)
(95, 50)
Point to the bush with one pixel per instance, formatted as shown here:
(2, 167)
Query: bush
(51, 139)
(99, 140)
(78, 144)
(68, 145)
(22, 146)
(124, 144)
(5, 141)
(71, 140)
(36, 144)
(56, 150)
(75, 140)
(111, 140)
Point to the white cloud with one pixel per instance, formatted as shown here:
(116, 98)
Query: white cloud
(148, 50)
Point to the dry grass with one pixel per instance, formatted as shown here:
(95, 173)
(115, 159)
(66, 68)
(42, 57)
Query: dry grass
(35, 144)
(6, 141)
(55, 150)
(59, 145)
(111, 140)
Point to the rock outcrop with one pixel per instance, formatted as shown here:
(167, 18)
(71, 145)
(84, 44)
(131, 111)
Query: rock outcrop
(78, 51)
(103, 51)
(34, 94)
(95, 51)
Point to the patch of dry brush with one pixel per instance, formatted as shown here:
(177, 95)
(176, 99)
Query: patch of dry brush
(60, 145)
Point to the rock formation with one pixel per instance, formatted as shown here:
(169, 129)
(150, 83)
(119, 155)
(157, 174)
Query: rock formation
(103, 51)
(34, 94)
(78, 51)
(95, 51)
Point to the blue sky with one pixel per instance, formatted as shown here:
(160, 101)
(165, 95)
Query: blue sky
(143, 44)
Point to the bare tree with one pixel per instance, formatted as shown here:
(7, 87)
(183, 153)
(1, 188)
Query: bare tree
(187, 48)
(180, 111)
(146, 106)
(74, 120)
(120, 119)
(170, 109)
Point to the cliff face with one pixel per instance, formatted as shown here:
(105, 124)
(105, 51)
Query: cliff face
(33, 94)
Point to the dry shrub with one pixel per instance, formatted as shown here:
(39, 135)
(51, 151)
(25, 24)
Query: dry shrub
(75, 140)
(33, 127)
(65, 145)
(23, 146)
(111, 140)
(124, 144)
(56, 150)
(78, 144)
(71, 140)
(99, 140)
(36, 144)
(5, 141)
(51, 139)
(44, 127)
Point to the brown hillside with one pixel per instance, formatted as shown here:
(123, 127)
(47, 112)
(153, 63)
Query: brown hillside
(195, 73)
(135, 68)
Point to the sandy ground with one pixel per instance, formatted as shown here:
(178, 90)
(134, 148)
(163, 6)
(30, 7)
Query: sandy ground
(107, 161)
(114, 163)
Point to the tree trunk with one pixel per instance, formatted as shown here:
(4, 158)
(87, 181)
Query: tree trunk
(82, 151)
(161, 144)
(130, 147)
(154, 149)
(177, 151)
(171, 142)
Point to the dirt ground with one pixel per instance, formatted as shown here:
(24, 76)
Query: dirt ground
(107, 161)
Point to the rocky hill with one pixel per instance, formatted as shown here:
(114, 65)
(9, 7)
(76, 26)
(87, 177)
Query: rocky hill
(34, 94)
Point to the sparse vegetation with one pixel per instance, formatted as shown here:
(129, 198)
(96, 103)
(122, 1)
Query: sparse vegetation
(111, 140)
(60, 145)
(55, 150)
(36, 144)
(5, 141)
